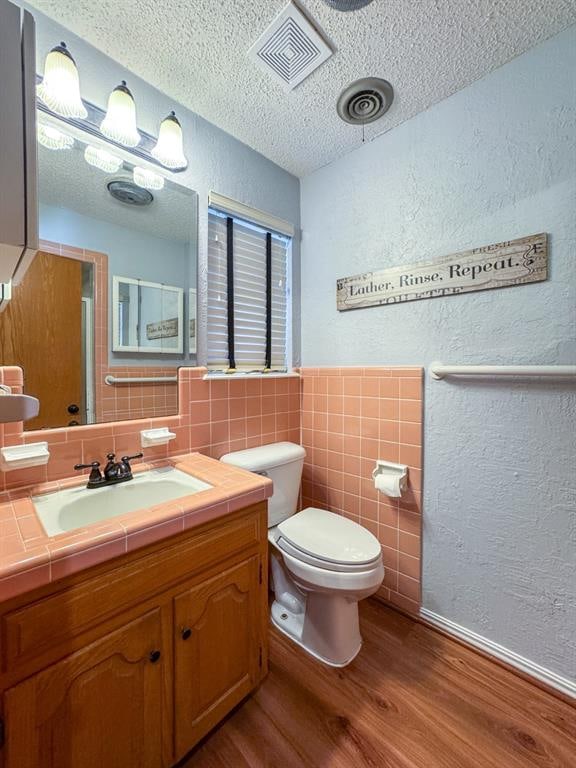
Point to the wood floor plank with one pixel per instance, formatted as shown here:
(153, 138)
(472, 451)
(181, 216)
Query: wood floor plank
(412, 699)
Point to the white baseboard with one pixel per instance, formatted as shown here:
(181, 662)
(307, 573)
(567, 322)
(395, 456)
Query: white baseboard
(562, 684)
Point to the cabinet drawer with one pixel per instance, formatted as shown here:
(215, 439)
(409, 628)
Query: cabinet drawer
(40, 627)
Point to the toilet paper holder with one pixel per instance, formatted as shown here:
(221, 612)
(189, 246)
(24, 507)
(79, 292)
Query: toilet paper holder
(390, 478)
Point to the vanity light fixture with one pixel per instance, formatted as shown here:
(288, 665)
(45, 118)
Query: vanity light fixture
(60, 86)
(52, 138)
(120, 121)
(169, 149)
(101, 159)
(59, 98)
(147, 179)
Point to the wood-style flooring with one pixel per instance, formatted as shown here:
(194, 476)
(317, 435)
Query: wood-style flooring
(412, 699)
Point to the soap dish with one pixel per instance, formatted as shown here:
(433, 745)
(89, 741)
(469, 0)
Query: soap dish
(152, 437)
(23, 456)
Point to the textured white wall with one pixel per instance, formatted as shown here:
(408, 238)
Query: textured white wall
(217, 161)
(493, 162)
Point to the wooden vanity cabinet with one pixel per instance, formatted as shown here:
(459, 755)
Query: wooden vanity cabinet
(137, 682)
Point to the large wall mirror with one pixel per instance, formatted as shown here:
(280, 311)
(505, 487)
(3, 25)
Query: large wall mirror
(106, 313)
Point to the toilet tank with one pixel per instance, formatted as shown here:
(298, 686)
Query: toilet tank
(282, 463)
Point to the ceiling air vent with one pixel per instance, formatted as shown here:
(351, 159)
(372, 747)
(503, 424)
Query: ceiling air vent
(347, 5)
(365, 100)
(125, 191)
(290, 49)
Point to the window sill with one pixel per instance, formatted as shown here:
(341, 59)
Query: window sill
(242, 375)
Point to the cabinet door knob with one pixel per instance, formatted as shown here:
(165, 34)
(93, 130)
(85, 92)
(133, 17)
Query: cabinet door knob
(186, 633)
(154, 656)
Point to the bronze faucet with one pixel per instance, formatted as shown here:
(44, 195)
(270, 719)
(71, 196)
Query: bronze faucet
(114, 471)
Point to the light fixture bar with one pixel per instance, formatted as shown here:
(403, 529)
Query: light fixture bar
(91, 125)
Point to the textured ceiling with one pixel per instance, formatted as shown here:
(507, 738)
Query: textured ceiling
(65, 180)
(196, 52)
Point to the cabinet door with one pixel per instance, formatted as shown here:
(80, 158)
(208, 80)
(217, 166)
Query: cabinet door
(18, 197)
(101, 707)
(216, 650)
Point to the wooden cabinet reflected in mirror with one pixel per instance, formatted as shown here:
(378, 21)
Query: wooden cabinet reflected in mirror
(58, 323)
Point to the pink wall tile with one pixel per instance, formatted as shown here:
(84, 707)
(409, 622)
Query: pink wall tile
(404, 603)
(410, 389)
(350, 417)
(409, 566)
(218, 417)
(344, 417)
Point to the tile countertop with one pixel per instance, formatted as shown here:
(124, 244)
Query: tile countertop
(29, 558)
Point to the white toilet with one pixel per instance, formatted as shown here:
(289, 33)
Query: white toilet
(322, 563)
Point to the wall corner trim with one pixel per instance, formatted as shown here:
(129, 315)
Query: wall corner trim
(562, 684)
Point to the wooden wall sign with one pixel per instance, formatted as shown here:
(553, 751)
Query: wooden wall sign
(514, 262)
(165, 329)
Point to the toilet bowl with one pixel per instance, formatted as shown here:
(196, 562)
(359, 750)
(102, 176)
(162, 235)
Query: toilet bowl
(322, 564)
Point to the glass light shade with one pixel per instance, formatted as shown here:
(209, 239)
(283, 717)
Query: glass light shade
(60, 86)
(169, 149)
(120, 121)
(147, 179)
(101, 159)
(52, 138)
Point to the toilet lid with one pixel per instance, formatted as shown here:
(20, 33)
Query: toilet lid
(330, 537)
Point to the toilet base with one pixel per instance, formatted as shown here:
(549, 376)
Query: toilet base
(292, 625)
(323, 622)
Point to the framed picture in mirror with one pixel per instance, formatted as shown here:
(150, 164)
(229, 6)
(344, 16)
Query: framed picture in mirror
(147, 317)
(192, 347)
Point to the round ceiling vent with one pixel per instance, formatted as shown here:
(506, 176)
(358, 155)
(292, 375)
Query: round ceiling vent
(364, 101)
(347, 5)
(125, 191)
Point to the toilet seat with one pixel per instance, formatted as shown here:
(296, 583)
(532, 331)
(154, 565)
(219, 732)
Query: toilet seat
(326, 540)
(321, 579)
(289, 549)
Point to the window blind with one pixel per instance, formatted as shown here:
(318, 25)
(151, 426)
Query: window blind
(259, 295)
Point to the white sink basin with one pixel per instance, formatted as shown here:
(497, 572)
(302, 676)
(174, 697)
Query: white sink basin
(76, 507)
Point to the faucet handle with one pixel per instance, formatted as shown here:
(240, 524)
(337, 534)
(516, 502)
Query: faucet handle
(126, 469)
(95, 475)
(92, 465)
(127, 459)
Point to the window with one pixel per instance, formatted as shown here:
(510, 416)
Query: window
(248, 294)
